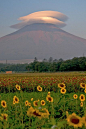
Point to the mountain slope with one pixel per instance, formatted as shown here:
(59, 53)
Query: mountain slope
(41, 41)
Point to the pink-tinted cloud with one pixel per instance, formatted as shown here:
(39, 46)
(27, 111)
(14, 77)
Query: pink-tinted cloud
(52, 17)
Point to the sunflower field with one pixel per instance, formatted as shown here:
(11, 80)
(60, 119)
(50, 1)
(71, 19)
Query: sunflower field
(43, 100)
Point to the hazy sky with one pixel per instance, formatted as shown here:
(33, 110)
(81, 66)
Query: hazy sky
(11, 10)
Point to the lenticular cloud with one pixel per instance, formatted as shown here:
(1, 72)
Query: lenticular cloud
(52, 17)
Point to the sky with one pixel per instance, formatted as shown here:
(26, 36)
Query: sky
(75, 10)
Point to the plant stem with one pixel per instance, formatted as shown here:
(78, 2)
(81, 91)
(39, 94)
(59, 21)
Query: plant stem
(64, 102)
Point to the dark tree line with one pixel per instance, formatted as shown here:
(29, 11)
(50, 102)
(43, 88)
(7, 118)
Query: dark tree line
(75, 64)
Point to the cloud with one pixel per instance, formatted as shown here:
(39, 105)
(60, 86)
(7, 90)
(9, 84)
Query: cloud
(52, 17)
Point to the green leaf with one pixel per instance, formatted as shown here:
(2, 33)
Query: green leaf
(53, 121)
(57, 113)
(61, 123)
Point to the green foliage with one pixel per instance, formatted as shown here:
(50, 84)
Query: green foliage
(17, 113)
(13, 67)
(75, 64)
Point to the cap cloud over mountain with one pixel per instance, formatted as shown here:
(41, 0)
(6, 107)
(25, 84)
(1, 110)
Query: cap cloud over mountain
(40, 37)
(52, 17)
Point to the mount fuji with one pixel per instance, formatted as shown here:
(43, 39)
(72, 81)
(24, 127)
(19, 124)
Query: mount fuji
(41, 40)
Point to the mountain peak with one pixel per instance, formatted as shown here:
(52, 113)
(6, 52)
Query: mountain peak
(37, 27)
(41, 40)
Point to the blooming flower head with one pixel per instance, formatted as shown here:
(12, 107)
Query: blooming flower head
(75, 96)
(82, 97)
(34, 112)
(63, 90)
(48, 93)
(16, 99)
(45, 113)
(4, 116)
(30, 111)
(74, 120)
(84, 120)
(38, 114)
(1, 118)
(31, 99)
(42, 102)
(81, 104)
(29, 104)
(26, 103)
(13, 101)
(49, 98)
(82, 85)
(85, 90)
(18, 87)
(35, 103)
(39, 88)
(61, 85)
(3, 103)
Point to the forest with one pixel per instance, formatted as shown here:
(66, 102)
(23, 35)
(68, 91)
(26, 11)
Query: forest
(50, 65)
(75, 64)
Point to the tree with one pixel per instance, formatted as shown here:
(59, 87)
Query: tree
(63, 67)
(44, 60)
(50, 59)
(75, 64)
(82, 63)
(35, 59)
(60, 59)
(55, 60)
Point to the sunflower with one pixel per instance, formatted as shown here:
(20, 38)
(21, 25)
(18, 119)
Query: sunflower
(18, 87)
(38, 114)
(49, 98)
(63, 90)
(81, 104)
(29, 104)
(4, 116)
(75, 96)
(85, 90)
(82, 85)
(42, 102)
(61, 85)
(74, 120)
(82, 97)
(84, 120)
(35, 103)
(16, 99)
(34, 112)
(1, 118)
(45, 113)
(30, 111)
(31, 99)
(26, 103)
(13, 102)
(3, 103)
(39, 88)
(48, 93)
